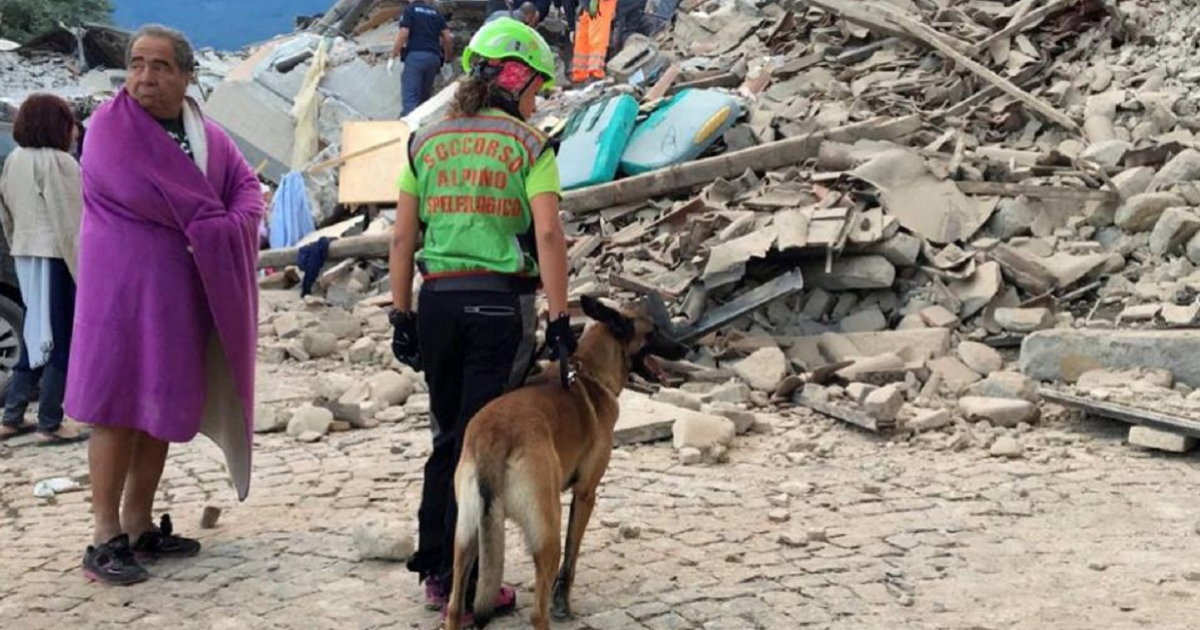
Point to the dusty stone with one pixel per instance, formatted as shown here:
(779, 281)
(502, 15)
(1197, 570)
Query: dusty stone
(1149, 437)
(763, 369)
(779, 516)
(1133, 181)
(1176, 315)
(980, 358)
(689, 456)
(817, 304)
(884, 403)
(295, 349)
(1140, 212)
(851, 273)
(1193, 249)
(734, 391)
(858, 392)
(1184, 167)
(1174, 228)
(1006, 385)
(309, 437)
(1024, 320)
(1118, 379)
(743, 420)
(269, 420)
(390, 388)
(319, 345)
(380, 538)
(929, 420)
(703, 432)
(1013, 217)
(340, 426)
(1000, 412)
(867, 320)
(912, 321)
(1140, 313)
(363, 351)
(343, 327)
(679, 398)
(793, 539)
(938, 316)
(392, 415)
(902, 249)
(979, 290)
(1107, 153)
(1006, 446)
(332, 385)
(954, 373)
(209, 517)
(1064, 355)
(287, 325)
(309, 419)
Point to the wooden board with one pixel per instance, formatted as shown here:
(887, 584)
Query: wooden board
(371, 177)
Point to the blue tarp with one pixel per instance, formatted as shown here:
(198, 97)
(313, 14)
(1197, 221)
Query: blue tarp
(291, 212)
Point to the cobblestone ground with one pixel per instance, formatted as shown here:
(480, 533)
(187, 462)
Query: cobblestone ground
(1083, 533)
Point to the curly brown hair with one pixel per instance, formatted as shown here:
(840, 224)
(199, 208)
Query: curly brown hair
(474, 94)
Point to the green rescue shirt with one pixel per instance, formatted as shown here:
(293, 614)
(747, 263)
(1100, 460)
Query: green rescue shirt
(474, 178)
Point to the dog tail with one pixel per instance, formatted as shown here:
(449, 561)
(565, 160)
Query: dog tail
(488, 511)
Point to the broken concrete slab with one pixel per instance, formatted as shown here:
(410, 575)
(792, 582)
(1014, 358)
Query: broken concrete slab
(902, 249)
(929, 420)
(1006, 385)
(851, 273)
(1023, 269)
(1107, 153)
(956, 376)
(870, 319)
(1140, 212)
(916, 345)
(931, 208)
(763, 369)
(1159, 440)
(980, 358)
(644, 420)
(1065, 354)
(727, 261)
(1184, 167)
(979, 290)
(937, 316)
(1133, 181)
(884, 403)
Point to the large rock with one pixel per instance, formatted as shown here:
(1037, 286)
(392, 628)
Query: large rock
(979, 290)
(390, 388)
(1001, 412)
(764, 369)
(884, 403)
(269, 420)
(1174, 228)
(362, 351)
(851, 274)
(703, 432)
(380, 539)
(309, 419)
(1107, 153)
(1133, 181)
(1065, 354)
(1149, 437)
(1184, 167)
(955, 374)
(1024, 320)
(287, 325)
(980, 358)
(332, 385)
(319, 345)
(1140, 212)
(1006, 385)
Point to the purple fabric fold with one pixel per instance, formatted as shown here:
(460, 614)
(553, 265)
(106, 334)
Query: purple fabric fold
(167, 257)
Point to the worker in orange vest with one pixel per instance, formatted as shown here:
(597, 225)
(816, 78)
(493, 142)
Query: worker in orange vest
(591, 40)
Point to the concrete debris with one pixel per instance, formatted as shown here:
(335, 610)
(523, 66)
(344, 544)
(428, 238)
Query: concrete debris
(1007, 446)
(309, 419)
(1159, 440)
(980, 358)
(381, 538)
(884, 403)
(1065, 355)
(764, 369)
(1000, 412)
(1024, 320)
(1006, 385)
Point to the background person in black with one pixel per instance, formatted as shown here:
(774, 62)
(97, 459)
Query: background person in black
(423, 45)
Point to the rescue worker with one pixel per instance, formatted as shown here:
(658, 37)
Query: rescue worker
(423, 45)
(483, 185)
(591, 40)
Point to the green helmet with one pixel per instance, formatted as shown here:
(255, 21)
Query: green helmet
(506, 38)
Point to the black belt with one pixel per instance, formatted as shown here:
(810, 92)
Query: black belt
(490, 283)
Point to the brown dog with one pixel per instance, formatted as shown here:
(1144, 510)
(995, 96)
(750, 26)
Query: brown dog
(524, 449)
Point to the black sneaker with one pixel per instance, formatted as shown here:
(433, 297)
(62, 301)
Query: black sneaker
(113, 563)
(161, 542)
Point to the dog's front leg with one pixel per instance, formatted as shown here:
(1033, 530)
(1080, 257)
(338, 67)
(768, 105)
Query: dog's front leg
(582, 504)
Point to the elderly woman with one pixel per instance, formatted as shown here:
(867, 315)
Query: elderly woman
(40, 208)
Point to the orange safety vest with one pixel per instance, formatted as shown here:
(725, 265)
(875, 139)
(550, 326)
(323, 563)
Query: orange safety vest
(591, 42)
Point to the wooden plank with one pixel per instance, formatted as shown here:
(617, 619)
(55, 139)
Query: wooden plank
(782, 286)
(1124, 413)
(663, 84)
(765, 157)
(370, 176)
(1020, 22)
(1008, 189)
(366, 246)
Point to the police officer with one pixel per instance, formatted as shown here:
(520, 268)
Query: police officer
(423, 45)
(483, 185)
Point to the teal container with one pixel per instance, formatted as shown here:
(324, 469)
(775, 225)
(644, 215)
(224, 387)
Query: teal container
(679, 130)
(594, 140)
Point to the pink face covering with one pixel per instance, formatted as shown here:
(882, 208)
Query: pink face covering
(514, 77)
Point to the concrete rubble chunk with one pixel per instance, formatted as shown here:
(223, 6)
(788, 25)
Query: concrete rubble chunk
(1159, 440)
(703, 432)
(1007, 446)
(287, 325)
(1193, 249)
(1006, 385)
(938, 316)
(884, 403)
(1064, 354)
(1184, 167)
(1140, 212)
(851, 273)
(955, 374)
(980, 358)
(867, 320)
(1013, 217)
(1140, 313)
(1117, 379)
(390, 388)
(763, 369)
(381, 538)
(1024, 320)
(1133, 181)
(332, 385)
(309, 419)
(679, 398)
(902, 249)
(1000, 412)
(269, 420)
(929, 420)
(319, 345)
(1107, 153)
(817, 304)
(979, 290)
(858, 392)
(1174, 228)
(362, 351)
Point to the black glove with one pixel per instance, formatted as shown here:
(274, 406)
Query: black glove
(560, 338)
(404, 339)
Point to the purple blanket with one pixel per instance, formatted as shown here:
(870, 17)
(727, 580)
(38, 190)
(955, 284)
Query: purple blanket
(167, 308)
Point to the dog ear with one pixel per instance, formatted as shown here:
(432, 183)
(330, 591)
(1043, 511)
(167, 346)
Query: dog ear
(616, 322)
